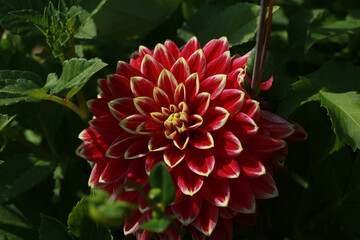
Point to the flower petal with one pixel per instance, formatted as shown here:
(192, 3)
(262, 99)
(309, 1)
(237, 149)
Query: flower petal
(180, 70)
(119, 146)
(106, 126)
(197, 63)
(152, 159)
(240, 62)
(174, 50)
(263, 144)
(223, 230)
(207, 218)
(131, 123)
(163, 56)
(201, 162)
(202, 139)
(140, 86)
(173, 156)
(145, 105)
(98, 107)
(121, 108)
(192, 86)
(264, 187)
(181, 140)
(215, 118)
(120, 86)
(160, 97)
(187, 209)
(216, 191)
(242, 197)
(167, 83)
(137, 149)
(180, 94)
(148, 127)
(127, 70)
(214, 85)
(252, 109)
(200, 104)
(115, 171)
(226, 168)
(226, 144)
(195, 121)
(232, 100)
(220, 65)
(188, 182)
(215, 48)
(190, 47)
(250, 165)
(277, 126)
(242, 126)
(158, 142)
(137, 58)
(151, 68)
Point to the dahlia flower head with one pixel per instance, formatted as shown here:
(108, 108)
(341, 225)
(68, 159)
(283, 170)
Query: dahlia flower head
(189, 109)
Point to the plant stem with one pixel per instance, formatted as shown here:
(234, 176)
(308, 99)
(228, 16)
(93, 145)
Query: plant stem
(267, 37)
(83, 115)
(256, 76)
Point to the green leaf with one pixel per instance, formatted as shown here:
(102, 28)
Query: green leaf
(344, 112)
(76, 72)
(52, 229)
(132, 22)
(334, 77)
(157, 225)
(17, 171)
(11, 215)
(5, 120)
(160, 178)
(212, 22)
(83, 227)
(18, 86)
(319, 33)
(107, 212)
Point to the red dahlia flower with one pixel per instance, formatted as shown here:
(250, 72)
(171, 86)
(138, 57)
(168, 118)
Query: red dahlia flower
(187, 108)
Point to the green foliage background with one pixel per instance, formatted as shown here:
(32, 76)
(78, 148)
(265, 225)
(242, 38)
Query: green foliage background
(52, 52)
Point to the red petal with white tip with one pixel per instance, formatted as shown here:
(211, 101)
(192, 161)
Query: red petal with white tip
(215, 118)
(262, 144)
(190, 47)
(137, 149)
(151, 68)
(192, 86)
(132, 224)
(180, 70)
(173, 156)
(152, 159)
(207, 218)
(215, 48)
(216, 191)
(250, 165)
(114, 171)
(160, 97)
(167, 83)
(106, 126)
(226, 168)
(187, 209)
(277, 126)
(226, 144)
(267, 85)
(158, 142)
(174, 50)
(232, 100)
(242, 126)
(121, 108)
(104, 86)
(146, 105)
(119, 146)
(201, 162)
(188, 182)
(214, 85)
(163, 56)
(127, 70)
(240, 62)
(220, 65)
(242, 197)
(131, 123)
(202, 139)
(140, 86)
(181, 140)
(180, 94)
(120, 86)
(264, 187)
(136, 172)
(252, 109)
(200, 104)
(95, 174)
(98, 107)
(197, 63)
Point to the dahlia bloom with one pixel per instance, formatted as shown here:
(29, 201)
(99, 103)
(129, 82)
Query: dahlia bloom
(188, 108)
